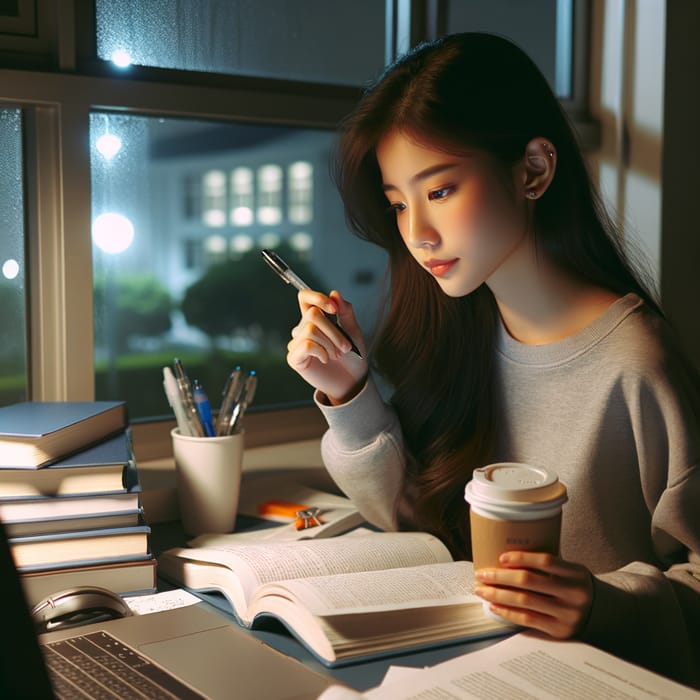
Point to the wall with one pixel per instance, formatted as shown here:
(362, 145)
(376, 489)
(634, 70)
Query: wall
(627, 87)
(644, 75)
(680, 250)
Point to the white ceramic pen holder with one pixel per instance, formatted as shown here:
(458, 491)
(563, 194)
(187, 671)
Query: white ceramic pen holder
(208, 481)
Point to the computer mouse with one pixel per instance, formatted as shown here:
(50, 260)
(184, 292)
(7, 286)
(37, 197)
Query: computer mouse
(78, 606)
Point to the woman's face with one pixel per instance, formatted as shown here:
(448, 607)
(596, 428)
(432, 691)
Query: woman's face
(456, 217)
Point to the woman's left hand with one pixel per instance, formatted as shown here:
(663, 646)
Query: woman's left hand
(538, 590)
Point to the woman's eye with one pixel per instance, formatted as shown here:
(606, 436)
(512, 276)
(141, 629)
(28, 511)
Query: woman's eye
(396, 207)
(441, 193)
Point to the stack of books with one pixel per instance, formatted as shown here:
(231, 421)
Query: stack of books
(70, 498)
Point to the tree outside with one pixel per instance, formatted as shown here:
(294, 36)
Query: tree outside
(243, 296)
(140, 307)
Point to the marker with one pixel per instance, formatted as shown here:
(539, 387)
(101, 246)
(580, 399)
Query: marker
(291, 277)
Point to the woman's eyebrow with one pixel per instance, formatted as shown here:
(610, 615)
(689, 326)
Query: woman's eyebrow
(424, 174)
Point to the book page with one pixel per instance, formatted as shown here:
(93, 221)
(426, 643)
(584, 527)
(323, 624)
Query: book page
(395, 589)
(282, 561)
(528, 666)
(255, 564)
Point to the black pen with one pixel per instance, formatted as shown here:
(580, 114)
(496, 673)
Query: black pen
(290, 277)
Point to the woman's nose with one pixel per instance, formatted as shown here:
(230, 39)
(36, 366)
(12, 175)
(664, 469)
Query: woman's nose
(420, 231)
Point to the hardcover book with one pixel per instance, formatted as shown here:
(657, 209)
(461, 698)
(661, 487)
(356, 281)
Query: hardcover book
(127, 576)
(81, 545)
(35, 433)
(346, 598)
(104, 467)
(43, 526)
(68, 506)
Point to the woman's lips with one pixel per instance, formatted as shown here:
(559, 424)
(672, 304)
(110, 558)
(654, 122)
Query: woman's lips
(439, 268)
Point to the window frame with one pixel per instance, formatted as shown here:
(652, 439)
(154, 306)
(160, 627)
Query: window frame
(57, 88)
(56, 109)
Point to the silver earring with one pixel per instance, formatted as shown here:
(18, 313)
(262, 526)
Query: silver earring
(532, 194)
(548, 149)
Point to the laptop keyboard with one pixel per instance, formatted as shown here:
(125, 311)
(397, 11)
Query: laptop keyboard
(98, 666)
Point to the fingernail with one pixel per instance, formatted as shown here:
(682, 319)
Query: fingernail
(484, 574)
(479, 590)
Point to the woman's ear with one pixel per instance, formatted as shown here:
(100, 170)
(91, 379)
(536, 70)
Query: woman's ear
(538, 167)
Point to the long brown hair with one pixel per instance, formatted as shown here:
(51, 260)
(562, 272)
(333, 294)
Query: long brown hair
(463, 91)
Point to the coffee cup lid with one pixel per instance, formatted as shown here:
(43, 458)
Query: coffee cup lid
(513, 481)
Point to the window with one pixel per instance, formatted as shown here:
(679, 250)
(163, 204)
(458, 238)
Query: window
(242, 196)
(554, 33)
(269, 195)
(214, 190)
(209, 142)
(274, 39)
(301, 189)
(218, 305)
(13, 359)
(517, 20)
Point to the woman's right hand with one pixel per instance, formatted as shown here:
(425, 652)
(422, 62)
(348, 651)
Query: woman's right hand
(320, 354)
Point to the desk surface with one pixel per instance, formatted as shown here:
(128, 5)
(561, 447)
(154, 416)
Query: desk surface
(361, 675)
(159, 483)
(300, 462)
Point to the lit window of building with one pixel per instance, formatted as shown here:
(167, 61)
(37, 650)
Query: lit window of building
(241, 244)
(214, 188)
(300, 192)
(301, 241)
(270, 195)
(241, 196)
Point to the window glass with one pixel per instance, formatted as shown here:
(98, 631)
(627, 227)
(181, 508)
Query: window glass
(301, 192)
(170, 283)
(542, 28)
(329, 41)
(13, 349)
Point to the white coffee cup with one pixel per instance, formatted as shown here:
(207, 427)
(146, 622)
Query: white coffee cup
(208, 481)
(513, 506)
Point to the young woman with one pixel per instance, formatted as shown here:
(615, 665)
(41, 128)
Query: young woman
(516, 330)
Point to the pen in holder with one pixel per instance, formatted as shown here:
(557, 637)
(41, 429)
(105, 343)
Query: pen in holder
(208, 473)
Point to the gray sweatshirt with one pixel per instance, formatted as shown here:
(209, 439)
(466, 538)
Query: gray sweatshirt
(613, 411)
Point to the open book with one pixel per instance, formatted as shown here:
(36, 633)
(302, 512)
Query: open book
(345, 598)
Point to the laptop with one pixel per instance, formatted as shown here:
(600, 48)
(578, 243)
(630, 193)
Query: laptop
(187, 652)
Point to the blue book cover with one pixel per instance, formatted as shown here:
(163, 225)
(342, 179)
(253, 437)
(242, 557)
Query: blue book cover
(36, 419)
(36, 433)
(117, 449)
(105, 467)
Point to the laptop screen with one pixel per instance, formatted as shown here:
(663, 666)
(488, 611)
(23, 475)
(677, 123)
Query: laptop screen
(22, 670)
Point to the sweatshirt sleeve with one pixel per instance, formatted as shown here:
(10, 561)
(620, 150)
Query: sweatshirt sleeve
(650, 617)
(364, 454)
(651, 614)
